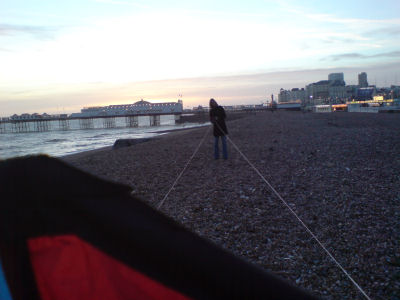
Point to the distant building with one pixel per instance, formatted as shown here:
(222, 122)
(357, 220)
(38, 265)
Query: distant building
(298, 94)
(34, 116)
(336, 77)
(283, 95)
(200, 109)
(333, 90)
(362, 80)
(318, 89)
(292, 95)
(138, 108)
(337, 90)
(351, 91)
(395, 91)
(366, 93)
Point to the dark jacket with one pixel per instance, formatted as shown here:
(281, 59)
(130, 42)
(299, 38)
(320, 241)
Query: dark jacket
(217, 117)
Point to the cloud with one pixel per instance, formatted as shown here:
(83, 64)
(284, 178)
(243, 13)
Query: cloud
(390, 31)
(346, 24)
(332, 18)
(332, 40)
(40, 32)
(344, 56)
(121, 2)
(387, 54)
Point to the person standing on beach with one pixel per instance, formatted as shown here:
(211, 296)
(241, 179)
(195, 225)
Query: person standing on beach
(217, 118)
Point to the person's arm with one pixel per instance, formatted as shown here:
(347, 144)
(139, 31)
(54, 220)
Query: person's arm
(223, 115)
(212, 117)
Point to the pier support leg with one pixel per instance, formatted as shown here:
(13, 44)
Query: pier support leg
(177, 118)
(109, 122)
(63, 124)
(42, 125)
(154, 120)
(86, 123)
(20, 127)
(132, 121)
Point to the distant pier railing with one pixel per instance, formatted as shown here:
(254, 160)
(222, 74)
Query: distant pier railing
(92, 122)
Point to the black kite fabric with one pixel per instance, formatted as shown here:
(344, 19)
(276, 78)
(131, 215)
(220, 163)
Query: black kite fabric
(65, 234)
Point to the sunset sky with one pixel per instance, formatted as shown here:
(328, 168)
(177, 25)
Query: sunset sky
(59, 56)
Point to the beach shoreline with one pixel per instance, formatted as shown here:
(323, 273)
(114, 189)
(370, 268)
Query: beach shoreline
(163, 134)
(201, 119)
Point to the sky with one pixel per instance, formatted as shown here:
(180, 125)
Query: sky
(61, 56)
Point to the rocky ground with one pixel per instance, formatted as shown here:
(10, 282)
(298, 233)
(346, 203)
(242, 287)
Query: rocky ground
(339, 172)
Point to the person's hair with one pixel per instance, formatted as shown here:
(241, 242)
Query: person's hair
(213, 103)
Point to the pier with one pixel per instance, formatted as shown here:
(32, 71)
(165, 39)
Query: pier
(80, 123)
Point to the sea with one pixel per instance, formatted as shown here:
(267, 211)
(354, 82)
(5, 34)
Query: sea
(57, 142)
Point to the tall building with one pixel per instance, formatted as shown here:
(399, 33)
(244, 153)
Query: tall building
(336, 77)
(362, 80)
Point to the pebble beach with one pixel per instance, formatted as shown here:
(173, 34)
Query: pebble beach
(339, 172)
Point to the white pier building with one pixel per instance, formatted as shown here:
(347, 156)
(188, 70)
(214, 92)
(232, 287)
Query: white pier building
(138, 108)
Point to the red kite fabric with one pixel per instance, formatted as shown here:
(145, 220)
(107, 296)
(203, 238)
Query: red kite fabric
(65, 234)
(80, 271)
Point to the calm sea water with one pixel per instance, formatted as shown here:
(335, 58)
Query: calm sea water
(64, 142)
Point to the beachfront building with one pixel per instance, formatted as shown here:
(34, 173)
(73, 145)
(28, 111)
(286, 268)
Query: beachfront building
(335, 93)
(337, 90)
(34, 116)
(292, 95)
(395, 91)
(351, 91)
(336, 77)
(362, 80)
(328, 91)
(138, 108)
(392, 92)
(318, 90)
(201, 108)
(365, 93)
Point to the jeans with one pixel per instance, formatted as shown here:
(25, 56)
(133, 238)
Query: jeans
(224, 147)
